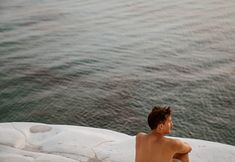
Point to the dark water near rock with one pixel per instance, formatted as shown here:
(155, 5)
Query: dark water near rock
(106, 63)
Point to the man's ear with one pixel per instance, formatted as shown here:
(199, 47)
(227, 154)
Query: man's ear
(160, 126)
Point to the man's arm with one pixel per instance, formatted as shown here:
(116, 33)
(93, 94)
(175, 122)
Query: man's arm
(181, 147)
(181, 150)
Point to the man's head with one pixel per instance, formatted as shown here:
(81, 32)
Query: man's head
(160, 118)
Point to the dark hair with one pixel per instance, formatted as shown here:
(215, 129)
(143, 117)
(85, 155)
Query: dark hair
(158, 115)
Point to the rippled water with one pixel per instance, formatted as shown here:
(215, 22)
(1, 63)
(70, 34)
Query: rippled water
(105, 63)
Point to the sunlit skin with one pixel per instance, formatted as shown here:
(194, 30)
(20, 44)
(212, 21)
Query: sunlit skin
(155, 147)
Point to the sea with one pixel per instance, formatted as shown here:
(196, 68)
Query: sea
(106, 63)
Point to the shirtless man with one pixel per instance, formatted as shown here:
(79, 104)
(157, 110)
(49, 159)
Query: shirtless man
(154, 146)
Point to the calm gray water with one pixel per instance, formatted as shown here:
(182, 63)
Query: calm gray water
(105, 63)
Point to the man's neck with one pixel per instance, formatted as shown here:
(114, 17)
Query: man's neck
(157, 134)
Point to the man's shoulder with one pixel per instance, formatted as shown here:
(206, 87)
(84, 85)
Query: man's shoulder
(140, 134)
(179, 146)
(139, 139)
(171, 140)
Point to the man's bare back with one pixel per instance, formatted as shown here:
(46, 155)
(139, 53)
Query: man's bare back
(154, 146)
(151, 148)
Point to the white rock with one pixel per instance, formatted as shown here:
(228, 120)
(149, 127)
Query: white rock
(11, 136)
(37, 142)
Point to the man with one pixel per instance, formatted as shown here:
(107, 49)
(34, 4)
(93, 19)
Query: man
(154, 146)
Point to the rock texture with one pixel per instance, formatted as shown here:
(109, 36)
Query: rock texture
(37, 142)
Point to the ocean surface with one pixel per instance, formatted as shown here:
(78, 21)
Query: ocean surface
(106, 63)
